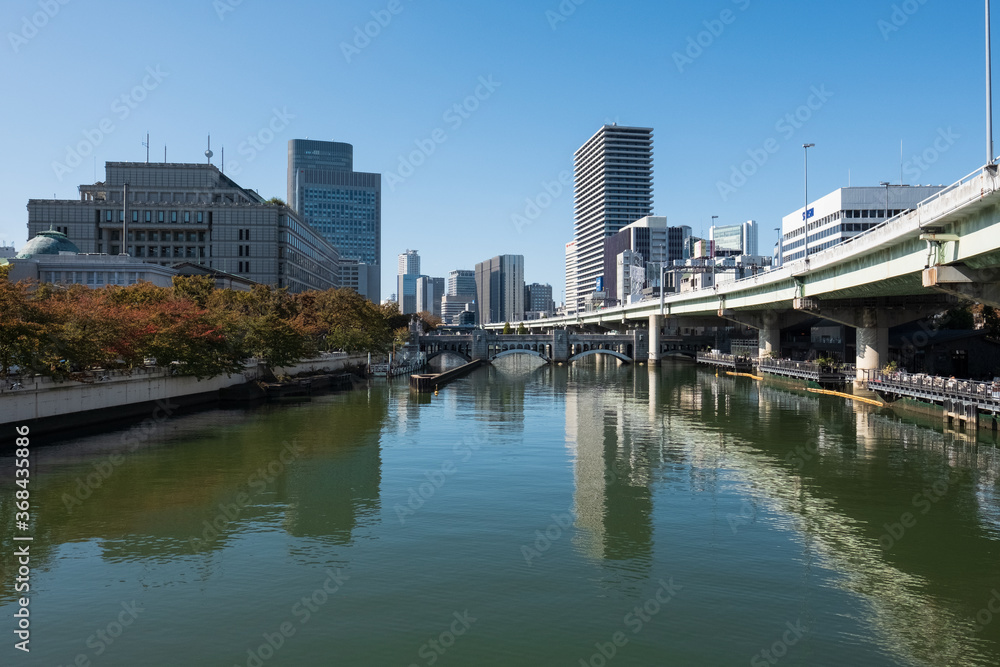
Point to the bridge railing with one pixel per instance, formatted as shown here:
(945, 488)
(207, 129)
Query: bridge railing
(935, 385)
(880, 227)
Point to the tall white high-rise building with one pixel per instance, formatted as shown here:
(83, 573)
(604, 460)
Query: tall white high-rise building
(406, 282)
(614, 187)
(570, 303)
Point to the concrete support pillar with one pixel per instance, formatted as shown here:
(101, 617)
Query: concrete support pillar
(873, 348)
(655, 326)
(480, 345)
(560, 346)
(640, 345)
(769, 342)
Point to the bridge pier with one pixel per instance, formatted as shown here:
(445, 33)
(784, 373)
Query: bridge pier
(768, 324)
(655, 329)
(560, 346)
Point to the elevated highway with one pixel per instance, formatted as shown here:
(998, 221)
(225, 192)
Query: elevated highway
(911, 266)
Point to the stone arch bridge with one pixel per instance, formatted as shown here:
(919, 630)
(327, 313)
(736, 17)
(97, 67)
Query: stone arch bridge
(557, 346)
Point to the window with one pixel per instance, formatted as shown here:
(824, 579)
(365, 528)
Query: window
(149, 216)
(100, 234)
(247, 234)
(178, 251)
(173, 216)
(247, 267)
(240, 250)
(159, 216)
(201, 217)
(240, 234)
(115, 249)
(164, 251)
(187, 216)
(115, 235)
(107, 216)
(178, 237)
(240, 270)
(246, 251)
(135, 216)
(151, 251)
(190, 252)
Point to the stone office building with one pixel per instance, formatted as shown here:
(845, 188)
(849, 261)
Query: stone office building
(176, 213)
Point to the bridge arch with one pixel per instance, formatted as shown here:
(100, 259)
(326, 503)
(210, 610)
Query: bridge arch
(531, 353)
(454, 353)
(590, 353)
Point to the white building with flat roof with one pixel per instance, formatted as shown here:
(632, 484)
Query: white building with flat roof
(845, 213)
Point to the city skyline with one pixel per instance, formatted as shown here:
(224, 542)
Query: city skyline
(728, 139)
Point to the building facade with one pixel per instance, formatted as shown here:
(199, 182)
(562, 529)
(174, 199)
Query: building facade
(343, 205)
(500, 289)
(538, 301)
(462, 282)
(176, 213)
(613, 180)
(655, 242)
(844, 214)
(408, 265)
(733, 240)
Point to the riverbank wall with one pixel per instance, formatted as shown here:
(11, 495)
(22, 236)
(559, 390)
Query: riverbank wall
(48, 406)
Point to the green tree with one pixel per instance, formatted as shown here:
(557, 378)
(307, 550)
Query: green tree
(23, 329)
(507, 329)
(521, 329)
(276, 201)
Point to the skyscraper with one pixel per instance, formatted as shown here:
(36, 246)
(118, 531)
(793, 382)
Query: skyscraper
(614, 187)
(406, 281)
(500, 289)
(343, 205)
(734, 239)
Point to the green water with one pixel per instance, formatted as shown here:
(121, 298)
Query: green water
(524, 516)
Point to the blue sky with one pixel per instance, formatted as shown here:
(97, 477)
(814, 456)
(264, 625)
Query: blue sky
(720, 81)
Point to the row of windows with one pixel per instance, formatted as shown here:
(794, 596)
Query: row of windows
(94, 277)
(147, 216)
(190, 252)
(879, 214)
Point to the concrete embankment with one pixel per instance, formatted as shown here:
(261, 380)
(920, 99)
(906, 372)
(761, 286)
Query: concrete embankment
(428, 383)
(48, 406)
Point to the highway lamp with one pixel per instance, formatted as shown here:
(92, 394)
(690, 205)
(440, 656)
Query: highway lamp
(886, 185)
(989, 90)
(711, 249)
(780, 240)
(805, 213)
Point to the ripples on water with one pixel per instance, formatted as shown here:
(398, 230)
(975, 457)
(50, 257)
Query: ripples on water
(546, 502)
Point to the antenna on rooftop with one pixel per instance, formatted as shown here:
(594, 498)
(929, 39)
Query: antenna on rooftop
(146, 144)
(209, 153)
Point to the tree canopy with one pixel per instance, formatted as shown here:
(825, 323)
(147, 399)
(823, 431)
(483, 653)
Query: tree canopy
(199, 330)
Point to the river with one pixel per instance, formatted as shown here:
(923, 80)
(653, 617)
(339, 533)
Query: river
(526, 515)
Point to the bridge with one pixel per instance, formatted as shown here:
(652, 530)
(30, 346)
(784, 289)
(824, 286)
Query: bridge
(913, 265)
(557, 346)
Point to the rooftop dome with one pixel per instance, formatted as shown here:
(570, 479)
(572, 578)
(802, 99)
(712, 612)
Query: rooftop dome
(49, 242)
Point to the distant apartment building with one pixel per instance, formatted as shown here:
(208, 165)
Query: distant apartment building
(500, 289)
(734, 240)
(845, 213)
(343, 205)
(429, 293)
(462, 282)
(460, 295)
(7, 251)
(408, 265)
(191, 213)
(654, 241)
(613, 176)
(538, 301)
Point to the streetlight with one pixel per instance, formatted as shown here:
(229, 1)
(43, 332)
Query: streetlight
(778, 229)
(805, 213)
(886, 185)
(711, 248)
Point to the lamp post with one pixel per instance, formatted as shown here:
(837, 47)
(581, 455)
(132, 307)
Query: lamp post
(885, 184)
(711, 248)
(778, 229)
(989, 90)
(805, 213)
